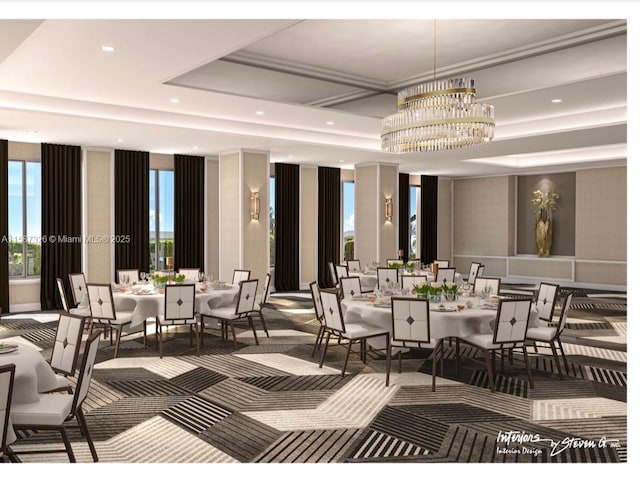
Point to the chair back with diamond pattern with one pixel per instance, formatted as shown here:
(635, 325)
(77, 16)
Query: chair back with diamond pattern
(66, 346)
(332, 311)
(512, 322)
(101, 301)
(239, 276)
(247, 296)
(354, 265)
(350, 286)
(546, 301)
(128, 276)
(78, 287)
(408, 281)
(492, 282)
(441, 264)
(387, 275)
(446, 274)
(179, 302)
(342, 271)
(473, 272)
(411, 326)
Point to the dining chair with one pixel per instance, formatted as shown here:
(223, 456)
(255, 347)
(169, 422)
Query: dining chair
(493, 283)
(7, 375)
(52, 412)
(411, 328)
(239, 276)
(179, 309)
(128, 277)
(103, 312)
(79, 311)
(78, 287)
(262, 302)
(509, 332)
(66, 349)
(387, 275)
(317, 307)
(473, 272)
(352, 331)
(551, 335)
(354, 265)
(191, 275)
(242, 310)
(408, 281)
(546, 300)
(480, 272)
(342, 271)
(350, 286)
(441, 264)
(446, 274)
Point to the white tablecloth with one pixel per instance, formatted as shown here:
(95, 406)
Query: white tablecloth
(145, 306)
(33, 375)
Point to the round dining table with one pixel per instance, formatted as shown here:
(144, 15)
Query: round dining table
(33, 376)
(477, 317)
(146, 303)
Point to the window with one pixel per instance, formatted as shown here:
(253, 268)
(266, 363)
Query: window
(160, 220)
(25, 193)
(272, 221)
(348, 217)
(413, 221)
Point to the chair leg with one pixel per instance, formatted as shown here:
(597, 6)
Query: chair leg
(255, 335)
(457, 357)
(156, 333)
(346, 359)
(144, 334)
(115, 354)
(195, 327)
(388, 358)
(82, 421)
(67, 445)
(264, 324)
(526, 362)
(190, 336)
(326, 345)
(363, 350)
(434, 366)
(566, 363)
(233, 333)
(400, 362)
(159, 336)
(556, 359)
(489, 361)
(318, 341)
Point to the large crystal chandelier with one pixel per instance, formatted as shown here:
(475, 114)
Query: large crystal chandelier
(437, 115)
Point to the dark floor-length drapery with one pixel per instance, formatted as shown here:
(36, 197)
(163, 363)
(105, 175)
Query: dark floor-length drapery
(329, 193)
(4, 226)
(428, 218)
(189, 212)
(403, 212)
(61, 253)
(131, 176)
(287, 196)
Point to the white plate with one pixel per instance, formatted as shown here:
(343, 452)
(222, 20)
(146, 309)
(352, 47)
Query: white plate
(382, 305)
(445, 309)
(226, 287)
(360, 298)
(8, 347)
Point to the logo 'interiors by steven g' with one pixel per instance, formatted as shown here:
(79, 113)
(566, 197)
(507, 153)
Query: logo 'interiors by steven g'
(524, 443)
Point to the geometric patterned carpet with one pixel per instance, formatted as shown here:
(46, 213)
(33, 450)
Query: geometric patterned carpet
(270, 403)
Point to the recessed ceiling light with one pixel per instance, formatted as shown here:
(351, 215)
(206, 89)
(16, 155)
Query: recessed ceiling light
(556, 100)
(259, 112)
(174, 100)
(120, 140)
(330, 122)
(107, 48)
(32, 132)
(289, 156)
(341, 161)
(195, 147)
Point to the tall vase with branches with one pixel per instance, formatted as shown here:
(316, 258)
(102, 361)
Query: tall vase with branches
(545, 203)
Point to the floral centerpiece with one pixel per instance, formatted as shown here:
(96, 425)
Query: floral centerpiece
(435, 290)
(421, 289)
(449, 291)
(160, 280)
(396, 265)
(409, 267)
(179, 278)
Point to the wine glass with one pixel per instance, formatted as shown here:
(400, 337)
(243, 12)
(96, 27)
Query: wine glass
(143, 276)
(201, 276)
(487, 291)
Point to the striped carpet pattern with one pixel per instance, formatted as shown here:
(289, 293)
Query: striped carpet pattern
(271, 403)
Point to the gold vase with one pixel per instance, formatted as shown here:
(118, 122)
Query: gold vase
(544, 236)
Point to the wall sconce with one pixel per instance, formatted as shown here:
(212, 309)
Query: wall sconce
(388, 209)
(255, 206)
